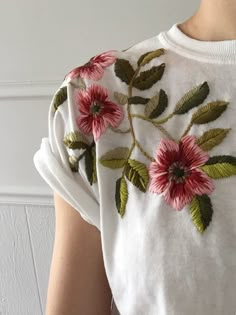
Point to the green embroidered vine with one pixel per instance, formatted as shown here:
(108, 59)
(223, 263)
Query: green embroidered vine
(136, 172)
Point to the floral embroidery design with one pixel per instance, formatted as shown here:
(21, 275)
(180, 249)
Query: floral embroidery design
(97, 112)
(94, 68)
(182, 171)
(176, 172)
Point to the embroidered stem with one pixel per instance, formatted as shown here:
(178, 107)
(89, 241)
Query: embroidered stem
(155, 123)
(135, 141)
(144, 152)
(187, 130)
(120, 131)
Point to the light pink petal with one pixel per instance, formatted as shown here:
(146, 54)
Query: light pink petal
(99, 127)
(105, 59)
(191, 154)
(199, 183)
(177, 195)
(84, 122)
(74, 73)
(113, 114)
(83, 100)
(159, 181)
(167, 152)
(98, 93)
(93, 72)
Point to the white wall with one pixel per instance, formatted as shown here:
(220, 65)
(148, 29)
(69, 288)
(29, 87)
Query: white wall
(40, 42)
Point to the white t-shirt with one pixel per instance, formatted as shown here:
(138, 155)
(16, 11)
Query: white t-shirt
(142, 142)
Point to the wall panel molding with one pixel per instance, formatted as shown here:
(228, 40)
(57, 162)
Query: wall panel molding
(17, 90)
(25, 196)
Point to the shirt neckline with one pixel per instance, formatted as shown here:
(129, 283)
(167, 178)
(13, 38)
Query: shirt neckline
(221, 52)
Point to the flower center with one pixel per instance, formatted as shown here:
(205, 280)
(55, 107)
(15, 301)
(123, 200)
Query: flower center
(178, 172)
(95, 107)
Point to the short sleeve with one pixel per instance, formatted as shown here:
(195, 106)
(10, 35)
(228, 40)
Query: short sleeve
(66, 158)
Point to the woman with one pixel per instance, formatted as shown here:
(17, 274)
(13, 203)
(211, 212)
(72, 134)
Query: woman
(142, 143)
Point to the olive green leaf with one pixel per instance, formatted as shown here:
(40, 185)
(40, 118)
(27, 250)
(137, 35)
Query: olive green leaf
(89, 165)
(137, 173)
(121, 98)
(115, 158)
(124, 70)
(150, 55)
(156, 105)
(78, 83)
(220, 166)
(147, 78)
(209, 112)
(75, 140)
(192, 98)
(138, 100)
(201, 212)
(73, 162)
(121, 195)
(211, 138)
(59, 97)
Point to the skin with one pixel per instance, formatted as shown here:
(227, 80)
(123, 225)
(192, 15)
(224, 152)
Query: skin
(78, 283)
(214, 20)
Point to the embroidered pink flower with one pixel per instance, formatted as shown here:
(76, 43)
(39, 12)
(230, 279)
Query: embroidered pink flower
(94, 68)
(97, 112)
(176, 172)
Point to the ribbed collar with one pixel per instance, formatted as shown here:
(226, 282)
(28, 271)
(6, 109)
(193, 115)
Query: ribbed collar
(222, 52)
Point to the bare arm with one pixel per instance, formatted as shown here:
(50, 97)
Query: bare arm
(77, 284)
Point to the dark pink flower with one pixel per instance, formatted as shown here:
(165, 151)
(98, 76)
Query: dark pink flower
(176, 172)
(94, 68)
(97, 112)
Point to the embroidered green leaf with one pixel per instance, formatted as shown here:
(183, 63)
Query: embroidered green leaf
(138, 100)
(121, 195)
(89, 165)
(73, 162)
(78, 83)
(157, 104)
(60, 97)
(121, 98)
(124, 70)
(137, 173)
(220, 166)
(192, 98)
(115, 158)
(209, 112)
(211, 138)
(150, 55)
(75, 140)
(201, 212)
(147, 78)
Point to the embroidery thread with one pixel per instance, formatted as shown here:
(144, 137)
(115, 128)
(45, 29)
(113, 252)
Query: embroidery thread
(181, 171)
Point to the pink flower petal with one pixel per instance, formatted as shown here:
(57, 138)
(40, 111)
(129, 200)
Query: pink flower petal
(98, 93)
(158, 184)
(177, 195)
(113, 114)
(84, 122)
(99, 127)
(167, 152)
(199, 183)
(191, 154)
(74, 73)
(105, 59)
(83, 100)
(93, 72)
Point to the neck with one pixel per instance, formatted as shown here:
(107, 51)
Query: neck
(213, 21)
